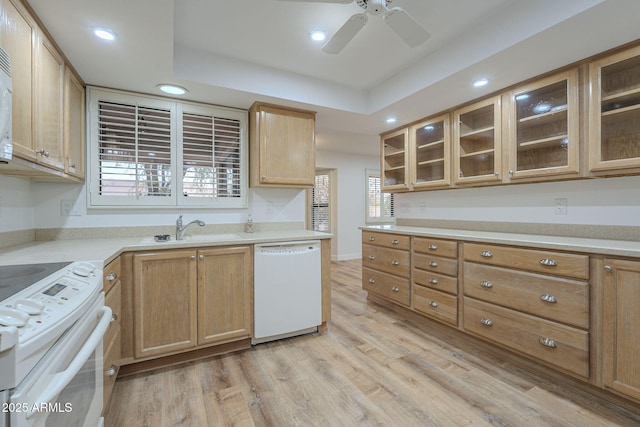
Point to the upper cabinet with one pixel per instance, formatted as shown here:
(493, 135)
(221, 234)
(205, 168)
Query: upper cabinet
(614, 121)
(395, 160)
(74, 119)
(477, 142)
(281, 147)
(543, 131)
(430, 148)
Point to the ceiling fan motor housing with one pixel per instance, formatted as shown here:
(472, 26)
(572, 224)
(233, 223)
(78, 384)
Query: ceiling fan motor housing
(374, 7)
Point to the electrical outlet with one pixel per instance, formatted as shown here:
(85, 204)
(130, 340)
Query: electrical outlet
(560, 206)
(423, 207)
(68, 208)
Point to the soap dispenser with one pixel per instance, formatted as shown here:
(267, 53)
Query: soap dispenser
(248, 227)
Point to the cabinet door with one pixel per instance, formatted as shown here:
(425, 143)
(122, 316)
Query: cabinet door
(614, 125)
(621, 317)
(18, 32)
(477, 142)
(395, 160)
(49, 104)
(73, 125)
(544, 129)
(165, 302)
(285, 147)
(225, 277)
(430, 153)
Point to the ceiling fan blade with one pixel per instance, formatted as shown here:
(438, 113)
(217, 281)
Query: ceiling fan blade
(322, 1)
(406, 27)
(345, 34)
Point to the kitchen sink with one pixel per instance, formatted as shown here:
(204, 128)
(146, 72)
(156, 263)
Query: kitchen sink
(232, 237)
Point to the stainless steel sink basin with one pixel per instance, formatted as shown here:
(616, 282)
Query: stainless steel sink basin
(214, 238)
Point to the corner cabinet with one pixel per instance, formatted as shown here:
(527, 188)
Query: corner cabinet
(394, 153)
(621, 334)
(477, 142)
(614, 121)
(543, 131)
(281, 147)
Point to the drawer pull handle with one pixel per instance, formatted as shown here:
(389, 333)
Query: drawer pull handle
(549, 262)
(371, 257)
(395, 289)
(486, 254)
(372, 281)
(486, 284)
(548, 342)
(394, 262)
(548, 298)
(112, 276)
(486, 322)
(433, 247)
(433, 264)
(433, 304)
(114, 317)
(608, 268)
(395, 242)
(371, 238)
(111, 371)
(433, 281)
(193, 257)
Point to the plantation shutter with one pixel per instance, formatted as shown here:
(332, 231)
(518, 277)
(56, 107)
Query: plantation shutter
(134, 148)
(320, 203)
(380, 206)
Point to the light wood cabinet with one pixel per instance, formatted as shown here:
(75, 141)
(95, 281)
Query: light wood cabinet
(394, 153)
(430, 153)
(477, 142)
(386, 268)
(74, 122)
(543, 132)
(112, 338)
(184, 299)
(614, 120)
(281, 147)
(621, 331)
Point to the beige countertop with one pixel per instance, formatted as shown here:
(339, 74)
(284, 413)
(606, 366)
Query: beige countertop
(574, 244)
(106, 250)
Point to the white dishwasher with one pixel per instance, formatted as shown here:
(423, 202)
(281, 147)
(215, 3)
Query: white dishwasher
(287, 295)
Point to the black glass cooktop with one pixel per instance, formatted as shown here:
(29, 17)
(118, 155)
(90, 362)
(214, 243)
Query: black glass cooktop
(14, 278)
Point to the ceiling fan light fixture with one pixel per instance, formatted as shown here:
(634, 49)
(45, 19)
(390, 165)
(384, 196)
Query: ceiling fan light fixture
(172, 89)
(317, 35)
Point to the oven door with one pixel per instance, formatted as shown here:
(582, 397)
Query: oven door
(65, 388)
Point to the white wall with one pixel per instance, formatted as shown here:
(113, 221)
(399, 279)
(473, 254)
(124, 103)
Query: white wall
(16, 204)
(605, 201)
(351, 197)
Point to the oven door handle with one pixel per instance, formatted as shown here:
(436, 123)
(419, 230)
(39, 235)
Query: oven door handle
(62, 379)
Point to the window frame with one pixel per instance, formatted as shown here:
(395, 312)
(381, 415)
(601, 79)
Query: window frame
(382, 219)
(175, 200)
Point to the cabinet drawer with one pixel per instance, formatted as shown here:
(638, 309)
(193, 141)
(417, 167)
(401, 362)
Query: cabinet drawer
(556, 344)
(436, 264)
(436, 304)
(437, 281)
(386, 285)
(387, 240)
(114, 301)
(562, 264)
(554, 298)
(444, 248)
(111, 274)
(111, 364)
(392, 261)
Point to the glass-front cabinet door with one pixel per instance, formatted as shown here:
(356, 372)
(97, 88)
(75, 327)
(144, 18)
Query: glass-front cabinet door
(614, 125)
(477, 142)
(430, 148)
(544, 128)
(395, 160)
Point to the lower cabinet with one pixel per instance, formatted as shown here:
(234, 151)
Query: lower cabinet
(621, 326)
(112, 343)
(185, 299)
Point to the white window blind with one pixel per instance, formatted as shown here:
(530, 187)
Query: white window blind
(320, 203)
(150, 151)
(379, 205)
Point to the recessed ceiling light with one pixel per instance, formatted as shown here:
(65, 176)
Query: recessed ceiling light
(172, 89)
(480, 82)
(317, 35)
(391, 119)
(104, 34)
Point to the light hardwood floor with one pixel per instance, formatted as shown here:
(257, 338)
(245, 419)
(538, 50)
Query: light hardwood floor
(371, 366)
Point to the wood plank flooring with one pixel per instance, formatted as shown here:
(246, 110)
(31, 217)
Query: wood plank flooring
(371, 367)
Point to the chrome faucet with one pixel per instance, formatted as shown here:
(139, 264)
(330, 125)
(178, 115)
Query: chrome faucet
(180, 230)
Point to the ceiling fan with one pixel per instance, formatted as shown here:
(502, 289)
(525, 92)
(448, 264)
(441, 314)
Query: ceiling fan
(400, 22)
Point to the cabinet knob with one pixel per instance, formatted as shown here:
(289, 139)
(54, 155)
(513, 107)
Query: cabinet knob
(608, 268)
(395, 289)
(548, 262)
(486, 322)
(433, 281)
(548, 298)
(114, 317)
(486, 284)
(496, 173)
(394, 242)
(112, 370)
(193, 257)
(547, 342)
(433, 264)
(486, 254)
(433, 247)
(372, 281)
(43, 152)
(112, 276)
(264, 176)
(395, 262)
(201, 257)
(371, 238)
(433, 304)
(371, 257)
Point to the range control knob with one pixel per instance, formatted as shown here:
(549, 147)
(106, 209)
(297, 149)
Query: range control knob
(30, 306)
(83, 269)
(13, 317)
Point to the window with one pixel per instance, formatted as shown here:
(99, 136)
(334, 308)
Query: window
(320, 196)
(147, 151)
(379, 206)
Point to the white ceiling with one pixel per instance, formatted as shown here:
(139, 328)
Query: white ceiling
(234, 52)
